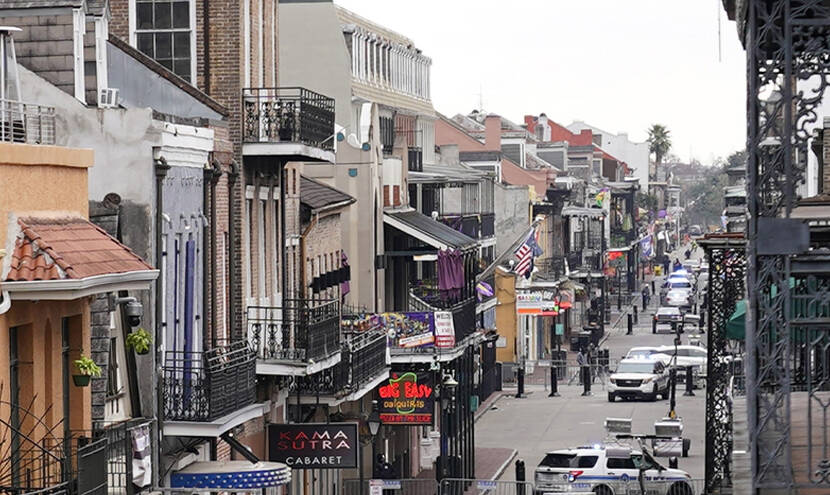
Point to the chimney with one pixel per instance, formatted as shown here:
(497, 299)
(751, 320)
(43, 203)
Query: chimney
(492, 133)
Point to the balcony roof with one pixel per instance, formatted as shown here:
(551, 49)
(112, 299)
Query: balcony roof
(425, 229)
(320, 197)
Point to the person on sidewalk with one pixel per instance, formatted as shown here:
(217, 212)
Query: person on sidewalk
(580, 362)
(646, 294)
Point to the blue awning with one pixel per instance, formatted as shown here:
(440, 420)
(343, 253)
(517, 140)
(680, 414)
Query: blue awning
(231, 475)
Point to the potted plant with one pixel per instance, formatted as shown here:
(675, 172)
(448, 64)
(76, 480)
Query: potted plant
(86, 369)
(140, 341)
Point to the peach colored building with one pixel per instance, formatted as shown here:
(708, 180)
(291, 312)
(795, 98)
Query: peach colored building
(53, 262)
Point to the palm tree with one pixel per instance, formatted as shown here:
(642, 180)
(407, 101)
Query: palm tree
(659, 143)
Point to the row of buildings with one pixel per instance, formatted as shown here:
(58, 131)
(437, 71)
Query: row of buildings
(284, 263)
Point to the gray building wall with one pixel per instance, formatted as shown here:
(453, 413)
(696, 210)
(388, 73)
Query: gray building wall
(140, 87)
(512, 205)
(313, 54)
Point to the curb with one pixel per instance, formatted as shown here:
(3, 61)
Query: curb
(483, 410)
(500, 471)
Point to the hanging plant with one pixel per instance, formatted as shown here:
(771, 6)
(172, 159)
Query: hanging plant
(140, 341)
(86, 370)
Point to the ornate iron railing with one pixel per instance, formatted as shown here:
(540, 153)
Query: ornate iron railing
(475, 225)
(363, 358)
(204, 386)
(463, 318)
(26, 123)
(300, 330)
(292, 115)
(551, 268)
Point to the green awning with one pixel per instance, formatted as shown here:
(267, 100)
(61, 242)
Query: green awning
(736, 324)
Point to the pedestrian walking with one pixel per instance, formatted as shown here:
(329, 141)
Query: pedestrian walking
(580, 361)
(688, 253)
(646, 293)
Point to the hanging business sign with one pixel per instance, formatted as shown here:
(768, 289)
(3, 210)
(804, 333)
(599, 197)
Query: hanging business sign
(409, 330)
(407, 398)
(444, 330)
(537, 303)
(314, 445)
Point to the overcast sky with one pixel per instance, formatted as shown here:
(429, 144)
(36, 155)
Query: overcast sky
(618, 65)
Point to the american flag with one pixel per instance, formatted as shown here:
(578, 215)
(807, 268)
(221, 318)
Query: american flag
(525, 255)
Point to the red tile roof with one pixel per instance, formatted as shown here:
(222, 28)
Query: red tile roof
(68, 248)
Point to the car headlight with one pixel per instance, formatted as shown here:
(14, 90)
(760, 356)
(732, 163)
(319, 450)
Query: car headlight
(648, 379)
(613, 380)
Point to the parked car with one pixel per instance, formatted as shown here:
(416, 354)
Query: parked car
(607, 469)
(675, 282)
(679, 298)
(666, 315)
(695, 230)
(688, 356)
(639, 379)
(647, 352)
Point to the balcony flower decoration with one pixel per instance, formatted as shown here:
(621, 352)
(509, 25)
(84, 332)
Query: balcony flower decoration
(139, 341)
(86, 370)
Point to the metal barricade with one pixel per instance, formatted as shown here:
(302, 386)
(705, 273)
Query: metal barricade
(630, 486)
(456, 486)
(413, 486)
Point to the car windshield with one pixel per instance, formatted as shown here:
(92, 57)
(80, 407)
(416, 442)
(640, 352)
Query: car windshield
(668, 311)
(680, 284)
(641, 353)
(568, 461)
(635, 368)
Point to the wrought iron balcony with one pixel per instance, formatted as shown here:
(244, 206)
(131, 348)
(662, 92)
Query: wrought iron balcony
(622, 238)
(204, 386)
(552, 268)
(300, 331)
(287, 115)
(26, 123)
(463, 311)
(475, 225)
(363, 359)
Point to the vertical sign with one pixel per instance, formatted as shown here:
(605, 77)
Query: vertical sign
(444, 330)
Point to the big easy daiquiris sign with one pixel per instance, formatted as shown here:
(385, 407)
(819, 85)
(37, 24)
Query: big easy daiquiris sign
(407, 398)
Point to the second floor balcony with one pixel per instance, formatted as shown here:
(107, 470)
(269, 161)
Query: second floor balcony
(476, 225)
(363, 365)
(204, 394)
(550, 269)
(300, 338)
(294, 124)
(26, 123)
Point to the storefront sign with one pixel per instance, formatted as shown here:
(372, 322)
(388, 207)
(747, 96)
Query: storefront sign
(407, 399)
(538, 303)
(560, 329)
(409, 330)
(444, 330)
(314, 445)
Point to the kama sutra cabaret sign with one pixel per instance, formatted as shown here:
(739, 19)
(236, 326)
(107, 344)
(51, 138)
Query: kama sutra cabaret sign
(314, 445)
(407, 399)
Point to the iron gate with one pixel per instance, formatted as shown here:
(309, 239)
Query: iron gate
(456, 486)
(92, 468)
(413, 486)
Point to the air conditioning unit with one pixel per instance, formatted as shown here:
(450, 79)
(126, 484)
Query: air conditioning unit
(108, 97)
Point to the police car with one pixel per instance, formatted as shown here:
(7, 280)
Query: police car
(639, 379)
(607, 469)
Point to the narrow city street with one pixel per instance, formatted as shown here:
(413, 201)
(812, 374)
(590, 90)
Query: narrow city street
(538, 424)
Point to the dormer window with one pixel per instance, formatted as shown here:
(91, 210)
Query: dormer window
(163, 30)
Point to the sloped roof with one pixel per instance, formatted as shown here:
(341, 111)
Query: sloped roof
(318, 196)
(428, 230)
(68, 248)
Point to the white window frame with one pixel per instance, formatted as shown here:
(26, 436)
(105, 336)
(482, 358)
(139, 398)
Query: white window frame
(78, 32)
(101, 37)
(131, 12)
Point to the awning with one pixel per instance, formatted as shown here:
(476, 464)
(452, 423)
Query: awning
(576, 211)
(427, 230)
(68, 258)
(231, 475)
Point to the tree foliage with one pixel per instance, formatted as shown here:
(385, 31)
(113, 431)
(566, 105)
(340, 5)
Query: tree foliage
(659, 141)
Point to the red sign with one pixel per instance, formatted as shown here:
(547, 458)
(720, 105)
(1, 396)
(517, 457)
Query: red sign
(407, 399)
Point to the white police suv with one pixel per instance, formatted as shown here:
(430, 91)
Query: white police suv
(639, 379)
(608, 469)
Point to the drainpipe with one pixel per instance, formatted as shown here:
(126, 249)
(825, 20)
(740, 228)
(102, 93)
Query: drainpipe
(233, 175)
(283, 254)
(217, 173)
(206, 42)
(161, 172)
(208, 278)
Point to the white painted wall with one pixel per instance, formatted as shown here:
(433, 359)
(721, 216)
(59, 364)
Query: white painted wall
(619, 146)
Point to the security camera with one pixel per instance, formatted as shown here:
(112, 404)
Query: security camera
(134, 311)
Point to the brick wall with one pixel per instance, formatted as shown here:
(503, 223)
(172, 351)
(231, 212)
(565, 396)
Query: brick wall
(323, 246)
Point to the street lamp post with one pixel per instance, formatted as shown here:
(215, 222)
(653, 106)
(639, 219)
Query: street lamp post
(374, 426)
(673, 371)
(448, 385)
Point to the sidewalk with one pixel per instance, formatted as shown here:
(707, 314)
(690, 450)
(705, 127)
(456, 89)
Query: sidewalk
(490, 463)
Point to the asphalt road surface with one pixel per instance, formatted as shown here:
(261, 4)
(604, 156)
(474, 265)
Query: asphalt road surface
(538, 424)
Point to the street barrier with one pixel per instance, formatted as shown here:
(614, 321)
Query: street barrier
(455, 486)
(411, 486)
(570, 374)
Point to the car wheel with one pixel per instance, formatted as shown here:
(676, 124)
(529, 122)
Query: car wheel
(680, 489)
(603, 490)
(611, 397)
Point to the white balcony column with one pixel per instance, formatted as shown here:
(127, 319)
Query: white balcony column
(364, 44)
